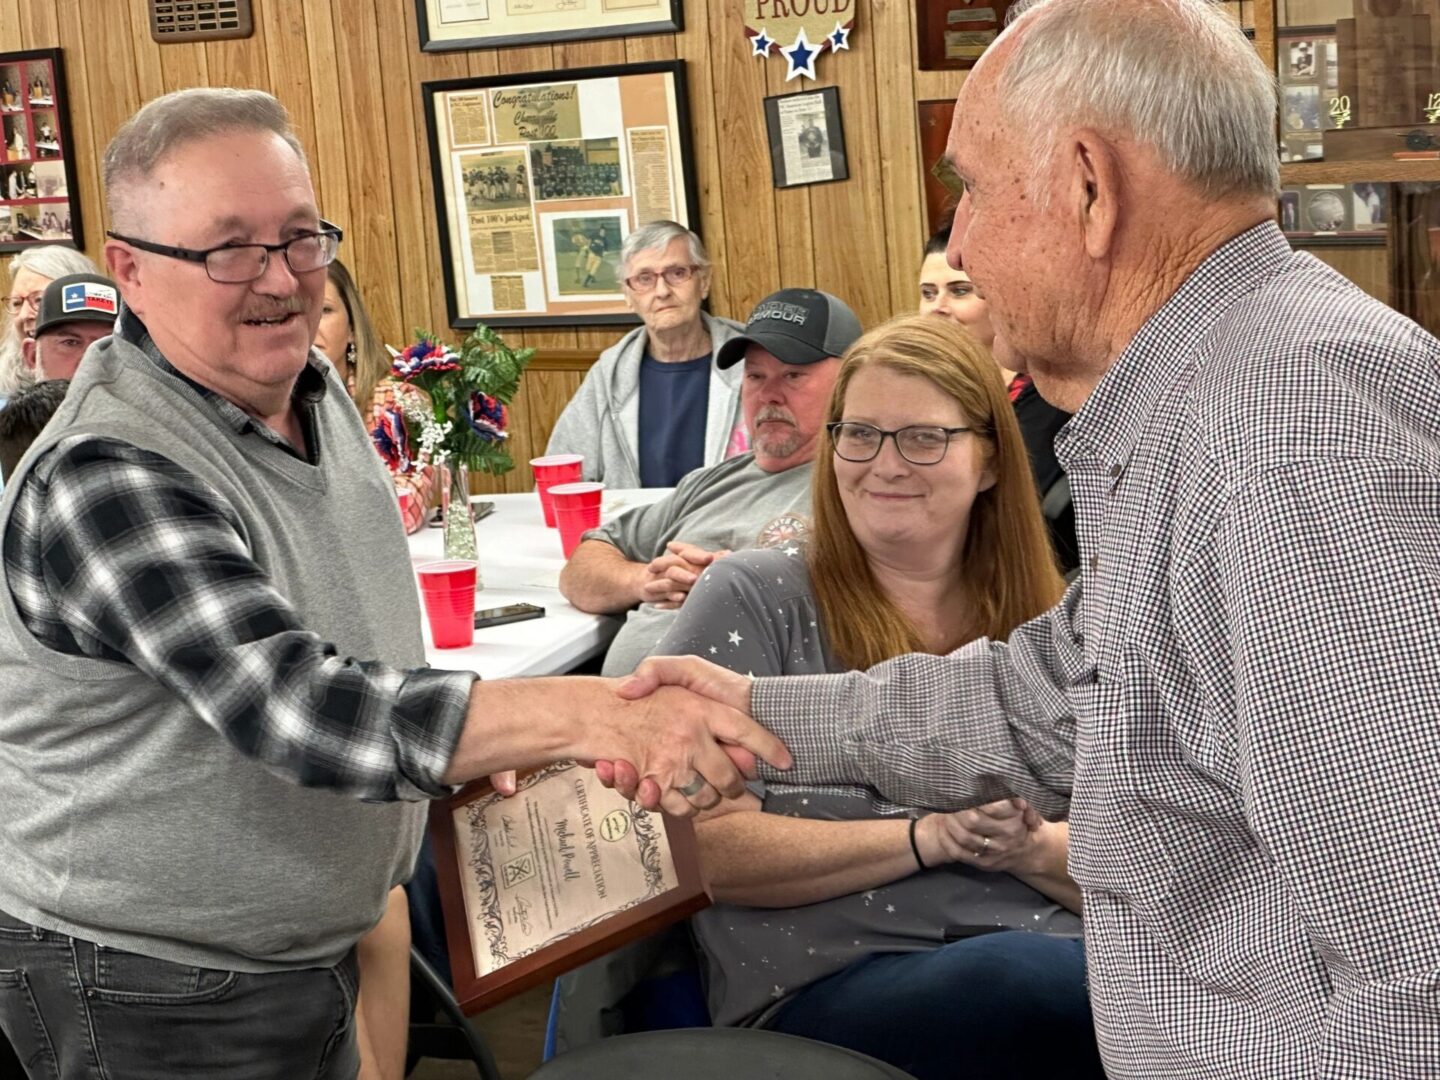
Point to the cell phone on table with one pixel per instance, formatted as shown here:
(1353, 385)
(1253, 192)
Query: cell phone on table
(499, 616)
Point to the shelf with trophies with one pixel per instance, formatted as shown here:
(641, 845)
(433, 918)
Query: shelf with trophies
(38, 203)
(1359, 139)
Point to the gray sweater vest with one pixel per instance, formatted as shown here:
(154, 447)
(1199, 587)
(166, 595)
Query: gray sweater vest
(124, 818)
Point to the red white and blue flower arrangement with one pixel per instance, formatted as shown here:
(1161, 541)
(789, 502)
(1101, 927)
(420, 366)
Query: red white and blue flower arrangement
(462, 416)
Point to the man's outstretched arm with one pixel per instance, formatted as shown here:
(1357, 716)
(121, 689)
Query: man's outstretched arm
(986, 722)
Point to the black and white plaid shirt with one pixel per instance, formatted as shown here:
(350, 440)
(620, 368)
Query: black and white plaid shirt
(116, 553)
(1239, 701)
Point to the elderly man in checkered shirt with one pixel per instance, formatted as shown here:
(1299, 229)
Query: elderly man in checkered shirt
(1238, 703)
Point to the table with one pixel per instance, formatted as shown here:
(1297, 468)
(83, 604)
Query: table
(520, 562)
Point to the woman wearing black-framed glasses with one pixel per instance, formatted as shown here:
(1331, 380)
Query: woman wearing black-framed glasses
(839, 917)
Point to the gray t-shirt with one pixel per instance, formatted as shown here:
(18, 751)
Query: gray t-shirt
(725, 506)
(756, 612)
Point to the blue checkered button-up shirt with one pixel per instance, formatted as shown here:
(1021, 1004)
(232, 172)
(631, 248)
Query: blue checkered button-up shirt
(1238, 703)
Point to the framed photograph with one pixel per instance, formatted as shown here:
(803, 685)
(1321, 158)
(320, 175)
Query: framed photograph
(807, 140)
(953, 34)
(496, 24)
(39, 203)
(1308, 61)
(1335, 215)
(555, 875)
(540, 177)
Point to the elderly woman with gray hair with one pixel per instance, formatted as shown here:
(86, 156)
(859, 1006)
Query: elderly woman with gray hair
(30, 272)
(654, 406)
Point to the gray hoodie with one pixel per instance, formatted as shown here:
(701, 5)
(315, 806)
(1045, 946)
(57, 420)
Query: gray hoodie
(602, 420)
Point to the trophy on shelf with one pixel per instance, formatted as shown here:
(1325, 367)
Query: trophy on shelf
(1389, 59)
(7, 94)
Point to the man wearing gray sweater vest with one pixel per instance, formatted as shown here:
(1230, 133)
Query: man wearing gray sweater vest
(217, 732)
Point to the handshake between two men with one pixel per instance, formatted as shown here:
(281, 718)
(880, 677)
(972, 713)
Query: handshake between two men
(676, 735)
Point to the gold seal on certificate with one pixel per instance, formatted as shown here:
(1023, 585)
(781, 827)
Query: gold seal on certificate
(560, 872)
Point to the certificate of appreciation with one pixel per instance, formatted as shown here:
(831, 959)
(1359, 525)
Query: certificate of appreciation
(541, 881)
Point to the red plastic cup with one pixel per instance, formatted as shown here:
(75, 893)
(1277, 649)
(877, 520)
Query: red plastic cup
(552, 470)
(448, 589)
(577, 508)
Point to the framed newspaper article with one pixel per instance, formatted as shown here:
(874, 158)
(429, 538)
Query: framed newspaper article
(807, 140)
(494, 24)
(557, 874)
(540, 177)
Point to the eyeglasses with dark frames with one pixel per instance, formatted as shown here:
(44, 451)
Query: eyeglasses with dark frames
(919, 444)
(235, 264)
(674, 276)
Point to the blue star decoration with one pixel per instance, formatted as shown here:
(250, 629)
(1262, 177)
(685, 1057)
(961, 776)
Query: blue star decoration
(839, 38)
(761, 44)
(800, 56)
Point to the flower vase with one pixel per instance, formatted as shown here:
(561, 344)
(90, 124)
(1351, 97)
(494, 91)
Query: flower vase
(459, 518)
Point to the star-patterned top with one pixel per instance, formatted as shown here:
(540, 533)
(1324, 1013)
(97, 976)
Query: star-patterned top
(755, 612)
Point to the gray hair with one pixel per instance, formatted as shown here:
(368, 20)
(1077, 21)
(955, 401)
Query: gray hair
(177, 118)
(656, 236)
(50, 261)
(1174, 75)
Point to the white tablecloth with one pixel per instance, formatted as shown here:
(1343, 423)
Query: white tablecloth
(520, 561)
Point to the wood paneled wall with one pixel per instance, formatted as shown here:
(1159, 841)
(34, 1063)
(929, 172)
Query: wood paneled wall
(350, 73)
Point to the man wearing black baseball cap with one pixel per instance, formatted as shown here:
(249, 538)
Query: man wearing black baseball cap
(75, 311)
(796, 326)
(648, 559)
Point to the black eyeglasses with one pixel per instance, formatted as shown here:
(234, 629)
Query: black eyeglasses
(919, 444)
(235, 264)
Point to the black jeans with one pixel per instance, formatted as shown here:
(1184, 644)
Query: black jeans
(74, 1010)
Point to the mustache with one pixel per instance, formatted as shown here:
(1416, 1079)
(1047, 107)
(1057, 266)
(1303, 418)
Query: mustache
(288, 305)
(774, 412)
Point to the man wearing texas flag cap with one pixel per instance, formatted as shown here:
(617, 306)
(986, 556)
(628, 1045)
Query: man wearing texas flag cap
(75, 311)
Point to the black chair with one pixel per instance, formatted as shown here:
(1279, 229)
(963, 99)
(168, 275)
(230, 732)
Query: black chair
(714, 1054)
(438, 1029)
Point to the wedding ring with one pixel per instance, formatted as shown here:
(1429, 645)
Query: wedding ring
(693, 788)
(985, 846)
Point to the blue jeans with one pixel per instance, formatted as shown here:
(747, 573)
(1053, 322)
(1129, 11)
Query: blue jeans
(74, 1010)
(1002, 1006)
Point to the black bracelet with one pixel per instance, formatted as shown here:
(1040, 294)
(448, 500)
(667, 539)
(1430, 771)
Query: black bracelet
(914, 846)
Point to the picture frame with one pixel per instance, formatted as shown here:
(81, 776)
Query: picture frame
(539, 177)
(1308, 72)
(807, 138)
(446, 25)
(39, 198)
(535, 884)
(951, 35)
(934, 119)
(1335, 214)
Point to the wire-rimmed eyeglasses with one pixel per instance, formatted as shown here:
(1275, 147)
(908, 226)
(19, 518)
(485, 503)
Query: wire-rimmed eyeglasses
(919, 444)
(674, 276)
(235, 264)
